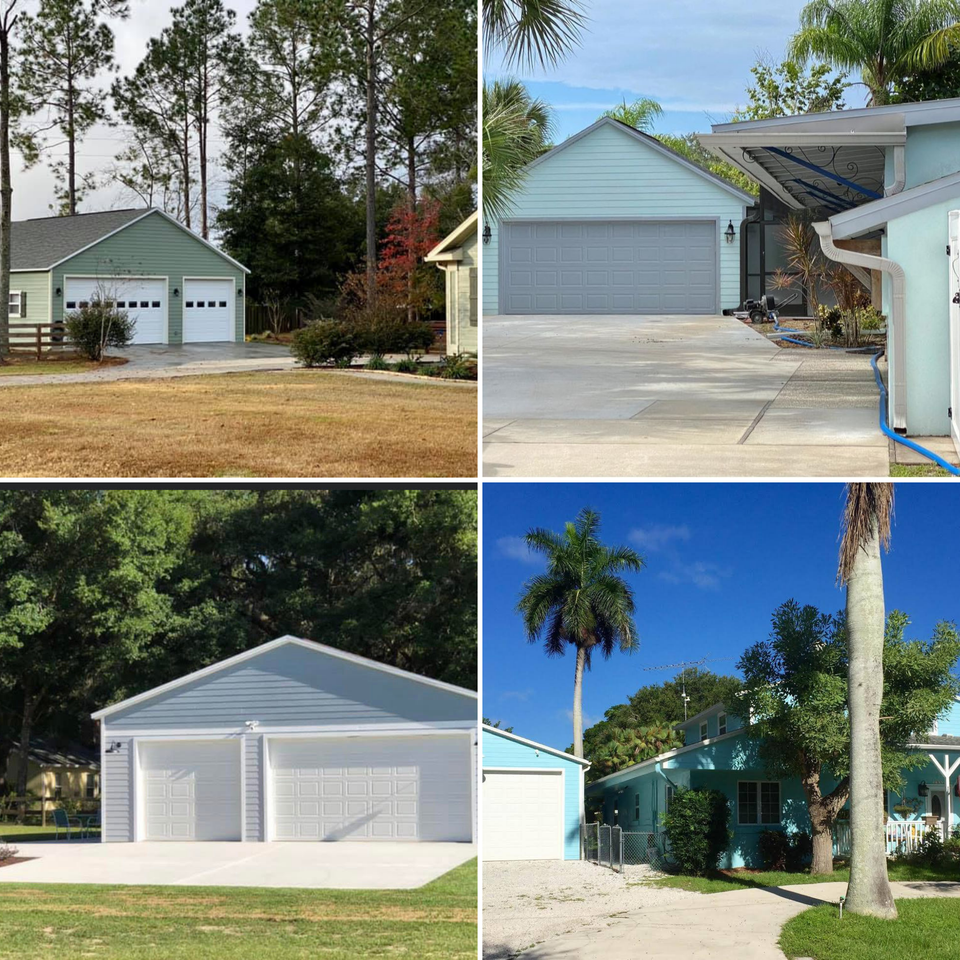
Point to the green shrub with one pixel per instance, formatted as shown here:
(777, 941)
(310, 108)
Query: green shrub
(407, 366)
(376, 362)
(415, 339)
(457, 366)
(781, 851)
(99, 325)
(324, 341)
(697, 827)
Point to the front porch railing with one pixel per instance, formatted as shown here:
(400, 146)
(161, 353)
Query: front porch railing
(901, 836)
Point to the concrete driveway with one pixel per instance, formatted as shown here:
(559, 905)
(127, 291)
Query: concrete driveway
(619, 919)
(589, 396)
(331, 866)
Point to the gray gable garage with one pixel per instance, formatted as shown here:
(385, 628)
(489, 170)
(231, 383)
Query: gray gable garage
(291, 740)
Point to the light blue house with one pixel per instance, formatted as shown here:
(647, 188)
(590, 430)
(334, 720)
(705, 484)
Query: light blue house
(882, 183)
(613, 222)
(719, 755)
(532, 797)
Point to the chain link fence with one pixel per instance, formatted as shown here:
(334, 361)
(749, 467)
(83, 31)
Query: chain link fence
(615, 848)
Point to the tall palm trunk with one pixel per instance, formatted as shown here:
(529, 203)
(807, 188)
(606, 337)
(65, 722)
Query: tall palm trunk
(867, 528)
(578, 702)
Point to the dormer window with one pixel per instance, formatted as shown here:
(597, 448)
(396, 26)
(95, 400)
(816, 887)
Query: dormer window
(703, 730)
(721, 724)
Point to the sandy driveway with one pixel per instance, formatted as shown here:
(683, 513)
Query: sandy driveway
(570, 911)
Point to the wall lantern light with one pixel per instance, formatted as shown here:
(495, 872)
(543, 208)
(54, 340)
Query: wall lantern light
(487, 233)
(59, 292)
(923, 790)
(176, 291)
(115, 746)
(730, 233)
(239, 292)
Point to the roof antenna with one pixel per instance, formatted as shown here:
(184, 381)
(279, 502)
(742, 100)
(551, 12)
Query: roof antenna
(683, 664)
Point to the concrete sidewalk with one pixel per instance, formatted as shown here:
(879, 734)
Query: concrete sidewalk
(744, 923)
(331, 866)
(671, 396)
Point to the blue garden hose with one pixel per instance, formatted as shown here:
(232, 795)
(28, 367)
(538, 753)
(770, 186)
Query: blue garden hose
(929, 454)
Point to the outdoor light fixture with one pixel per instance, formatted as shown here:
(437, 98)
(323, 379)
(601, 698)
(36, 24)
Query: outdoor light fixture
(176, 291)
(487, 233)
(239, 292)
(730, 233)
(59, 292)
(923, 790)
(115, 746)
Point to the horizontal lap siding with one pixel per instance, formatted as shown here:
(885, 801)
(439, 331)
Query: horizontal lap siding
(253, 787)
(500, 751)
(609, 174)
(154, 247)
(117, 788)
(290, 686)
(37, 288)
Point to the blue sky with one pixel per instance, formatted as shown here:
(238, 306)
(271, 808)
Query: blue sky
(692, 56)
(719, 559)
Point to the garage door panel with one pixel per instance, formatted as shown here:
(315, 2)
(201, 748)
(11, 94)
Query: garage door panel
(141, 298)
(208, 310)
(634, 267)
(522, 815)
(414, 788)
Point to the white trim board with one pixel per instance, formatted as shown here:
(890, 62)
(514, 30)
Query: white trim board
(333, 730)
(533, 743)
(273, 645)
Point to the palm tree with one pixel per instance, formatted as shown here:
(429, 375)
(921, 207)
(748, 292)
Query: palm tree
(629, 745)
(532, 33)
(866, 528)
(886, 40)
(641, 114)
(581, 600)
(516, 129)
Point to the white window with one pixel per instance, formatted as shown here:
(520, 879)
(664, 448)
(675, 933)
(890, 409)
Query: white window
(703, 730)
(758, 801)
(721, 723)
(636, 808)
(58, 785)
(18, 304)
(90, 785)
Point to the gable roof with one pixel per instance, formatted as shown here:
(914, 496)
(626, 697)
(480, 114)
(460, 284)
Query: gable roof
(47, 753)
(654, 144)
(453, 239)
(535, 745)
(253, 652)
(46, 242)
(706, 712)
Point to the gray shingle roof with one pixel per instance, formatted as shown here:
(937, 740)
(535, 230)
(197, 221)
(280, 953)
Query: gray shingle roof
(39, 244)
(938, 741)
(49, 754)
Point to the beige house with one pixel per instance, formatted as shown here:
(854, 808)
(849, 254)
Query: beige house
(71, 772)
(458, 257)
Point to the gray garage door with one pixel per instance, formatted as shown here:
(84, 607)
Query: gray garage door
(609, 267)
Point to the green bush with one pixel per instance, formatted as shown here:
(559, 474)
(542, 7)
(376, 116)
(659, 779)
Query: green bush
(324, 341)
(781, 851)
(407, 366)
(99, 325)
(376, 362)
(697, 827)
(415, 339)
(457, 366)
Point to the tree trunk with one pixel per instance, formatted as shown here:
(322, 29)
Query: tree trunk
(412, 204)
(23, 750)
(71, 152)
(869, 890)
(578, 702)
(371, 153)
(6, 188)
(821, 832)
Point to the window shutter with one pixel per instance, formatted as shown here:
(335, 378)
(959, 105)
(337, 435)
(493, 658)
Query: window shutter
(473, 296)
(23, 303)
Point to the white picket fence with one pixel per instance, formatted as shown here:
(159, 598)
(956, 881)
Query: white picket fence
(902, 836)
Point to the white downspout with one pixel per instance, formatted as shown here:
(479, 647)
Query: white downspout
(899, 172)
(898, 346)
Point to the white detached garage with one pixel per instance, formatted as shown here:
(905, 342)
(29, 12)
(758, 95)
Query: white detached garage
(291, 740)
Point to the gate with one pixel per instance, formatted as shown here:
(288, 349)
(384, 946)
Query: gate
(603, 845)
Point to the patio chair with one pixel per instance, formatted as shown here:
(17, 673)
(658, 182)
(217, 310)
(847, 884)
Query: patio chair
(90, 822)
(66, 823)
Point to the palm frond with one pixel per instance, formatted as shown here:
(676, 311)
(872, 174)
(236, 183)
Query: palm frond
(869, 510)
(532, 33)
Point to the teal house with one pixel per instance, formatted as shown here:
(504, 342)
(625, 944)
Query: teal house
(175, 286)
(532, 797)
(718, 755)
(883, 187)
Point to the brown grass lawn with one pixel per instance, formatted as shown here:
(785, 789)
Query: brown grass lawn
(28, 366)
(299, 424)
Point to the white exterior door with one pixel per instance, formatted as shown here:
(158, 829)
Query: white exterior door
(208, 311)
(370, 788)
(190, 790)
(954, 292)
(522, 815)
(142, 299)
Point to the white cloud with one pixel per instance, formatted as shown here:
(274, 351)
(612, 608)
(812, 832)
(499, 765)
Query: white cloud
(515, 548)
(659, 535)
(588, 719)
(701, 573)
(521, 695)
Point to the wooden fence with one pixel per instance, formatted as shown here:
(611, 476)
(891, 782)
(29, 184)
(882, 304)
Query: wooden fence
(37, 337)
(37, 809)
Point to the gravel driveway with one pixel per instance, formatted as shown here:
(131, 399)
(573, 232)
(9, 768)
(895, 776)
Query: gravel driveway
(527, 902)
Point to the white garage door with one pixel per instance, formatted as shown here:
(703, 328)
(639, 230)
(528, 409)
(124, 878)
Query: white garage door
(208, 310)
(522, 815)
(191, 790)
(144, 301)
(369, 788)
